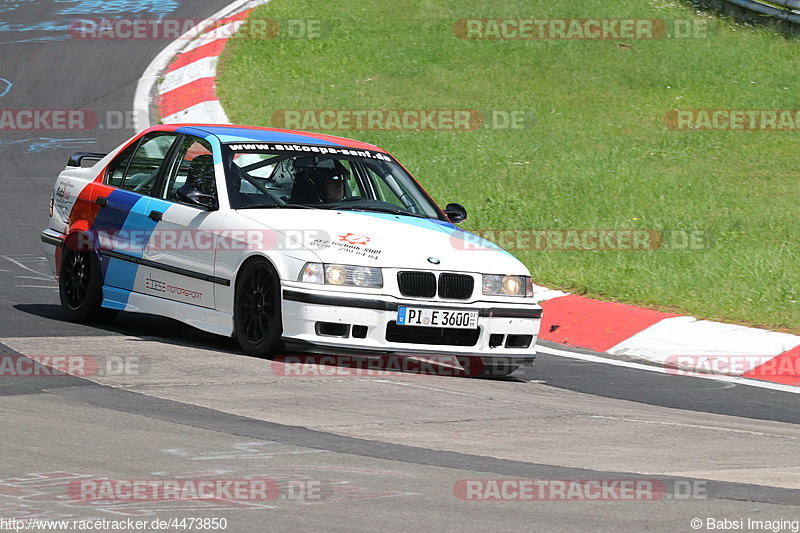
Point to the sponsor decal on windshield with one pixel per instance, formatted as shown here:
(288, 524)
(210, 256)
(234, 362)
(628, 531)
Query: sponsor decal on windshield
(306, 148)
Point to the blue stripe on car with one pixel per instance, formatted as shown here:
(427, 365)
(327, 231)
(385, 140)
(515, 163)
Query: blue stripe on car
(137, 229)
(110, 219)
(115, 298)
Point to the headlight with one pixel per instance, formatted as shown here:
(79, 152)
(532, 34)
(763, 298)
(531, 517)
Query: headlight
(312, 273)
(498, 285)
(352, 275)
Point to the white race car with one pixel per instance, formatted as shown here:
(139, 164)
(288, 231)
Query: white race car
(283, 239)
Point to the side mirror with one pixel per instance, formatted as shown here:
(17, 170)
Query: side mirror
(189, 194)
(456, 213)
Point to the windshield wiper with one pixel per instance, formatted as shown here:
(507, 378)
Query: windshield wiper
(276, 206)
(382, 210)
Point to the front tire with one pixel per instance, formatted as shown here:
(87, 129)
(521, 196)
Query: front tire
(80, 287)
(257, 309)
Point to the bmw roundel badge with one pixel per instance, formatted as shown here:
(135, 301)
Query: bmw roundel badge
(433, 261)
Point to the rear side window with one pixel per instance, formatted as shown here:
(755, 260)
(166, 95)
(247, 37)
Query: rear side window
(137, 168)
(118, 167)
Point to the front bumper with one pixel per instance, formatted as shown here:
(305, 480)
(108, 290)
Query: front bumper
(327, 321)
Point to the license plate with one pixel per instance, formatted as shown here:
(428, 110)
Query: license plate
(436, 318)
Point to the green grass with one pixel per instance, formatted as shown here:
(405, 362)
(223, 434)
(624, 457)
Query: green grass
(599, 154)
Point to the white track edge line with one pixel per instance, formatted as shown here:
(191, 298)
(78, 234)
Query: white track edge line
(649, 368)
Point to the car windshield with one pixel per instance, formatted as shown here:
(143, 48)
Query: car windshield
(266, 175)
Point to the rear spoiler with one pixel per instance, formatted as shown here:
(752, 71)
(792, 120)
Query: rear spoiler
(76, 158)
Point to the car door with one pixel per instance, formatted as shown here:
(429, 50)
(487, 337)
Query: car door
(123, 224)
(179, 257)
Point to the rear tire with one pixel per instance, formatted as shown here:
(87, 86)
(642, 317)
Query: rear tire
(80, 287)
(257, 309)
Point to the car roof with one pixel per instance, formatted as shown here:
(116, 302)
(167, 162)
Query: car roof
(233, 133)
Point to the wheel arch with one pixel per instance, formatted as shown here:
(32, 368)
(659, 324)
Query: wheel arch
(78, 238)
(254, 257)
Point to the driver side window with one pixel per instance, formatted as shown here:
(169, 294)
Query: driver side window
(194, 165)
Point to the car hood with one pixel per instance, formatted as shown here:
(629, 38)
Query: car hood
(386, 240)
